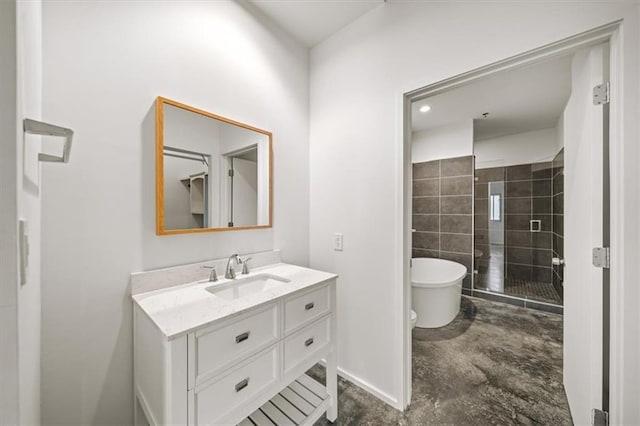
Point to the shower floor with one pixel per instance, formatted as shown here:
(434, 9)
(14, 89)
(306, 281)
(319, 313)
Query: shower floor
(491, 277)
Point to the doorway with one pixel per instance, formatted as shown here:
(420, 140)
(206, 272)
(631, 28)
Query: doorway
(586, 386)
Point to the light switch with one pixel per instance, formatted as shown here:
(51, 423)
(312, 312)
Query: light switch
(337, 241)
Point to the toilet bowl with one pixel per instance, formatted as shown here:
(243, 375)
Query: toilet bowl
(436, 290)
(414, 318)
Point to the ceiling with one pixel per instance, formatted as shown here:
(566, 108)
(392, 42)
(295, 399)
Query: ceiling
(312, 21)
(520, 100)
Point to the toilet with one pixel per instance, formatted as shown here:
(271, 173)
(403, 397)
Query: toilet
(414, 319)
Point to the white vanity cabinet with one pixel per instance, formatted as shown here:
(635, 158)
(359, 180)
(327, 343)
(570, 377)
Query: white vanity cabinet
(250, 363)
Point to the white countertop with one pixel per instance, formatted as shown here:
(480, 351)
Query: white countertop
(181, 309)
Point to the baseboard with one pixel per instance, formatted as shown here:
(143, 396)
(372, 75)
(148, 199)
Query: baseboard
(384, 397)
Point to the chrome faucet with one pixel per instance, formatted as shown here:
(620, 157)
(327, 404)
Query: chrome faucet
(245, 266)
(213, 276)
(230, 273)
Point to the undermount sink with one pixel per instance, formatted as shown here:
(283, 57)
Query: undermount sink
(243, 287)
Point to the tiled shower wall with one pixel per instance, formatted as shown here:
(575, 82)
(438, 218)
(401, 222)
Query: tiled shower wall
(442, 211)
(527, 197)
(558, 219)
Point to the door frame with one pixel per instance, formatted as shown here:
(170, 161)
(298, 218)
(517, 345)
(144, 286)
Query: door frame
(610, 33)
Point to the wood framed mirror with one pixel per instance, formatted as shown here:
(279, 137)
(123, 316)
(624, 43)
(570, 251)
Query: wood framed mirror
(212, 173)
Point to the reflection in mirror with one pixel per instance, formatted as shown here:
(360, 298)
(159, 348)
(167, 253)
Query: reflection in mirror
(213, 174)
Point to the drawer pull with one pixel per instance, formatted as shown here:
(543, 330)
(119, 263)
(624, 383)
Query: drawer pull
(242, 337)
(308, 306)
(243, 384)
(308, 342)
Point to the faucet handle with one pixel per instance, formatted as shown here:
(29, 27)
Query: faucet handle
(245, 266)
(213, 276)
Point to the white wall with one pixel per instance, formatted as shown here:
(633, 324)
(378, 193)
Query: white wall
(522, 148)
(450, 141)
(104, 65)
(8, 218)
(30, 188)
(357, 78)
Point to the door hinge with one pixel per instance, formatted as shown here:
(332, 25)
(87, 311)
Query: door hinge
(599, 417)
(601, 94)
(231, 173)
(601, 257)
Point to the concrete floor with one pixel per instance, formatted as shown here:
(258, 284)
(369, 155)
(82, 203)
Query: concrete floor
(495, 364)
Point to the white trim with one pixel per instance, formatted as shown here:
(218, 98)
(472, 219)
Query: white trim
(385, 397)
(370, 388)
(606, 33)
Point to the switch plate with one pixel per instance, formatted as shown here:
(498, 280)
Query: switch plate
(337, 241)
(23, 235)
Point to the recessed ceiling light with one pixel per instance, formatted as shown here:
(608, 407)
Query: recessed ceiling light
(425, 108)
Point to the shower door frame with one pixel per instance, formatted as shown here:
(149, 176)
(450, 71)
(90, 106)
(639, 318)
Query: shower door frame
(610, 33)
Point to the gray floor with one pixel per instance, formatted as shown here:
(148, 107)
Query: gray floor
(495, 364)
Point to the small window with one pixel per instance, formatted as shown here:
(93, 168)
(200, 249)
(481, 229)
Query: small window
(495, 207)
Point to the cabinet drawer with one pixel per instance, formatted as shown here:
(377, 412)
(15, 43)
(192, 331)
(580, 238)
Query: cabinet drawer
(220, 345)
(219, 398)
(304, 308)
(306, 343)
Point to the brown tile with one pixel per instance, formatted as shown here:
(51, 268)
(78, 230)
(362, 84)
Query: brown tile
(493, 174)
(481, 206)
(463, 259)
(455, 204)
(456, 185)
(541, 204)
(481, 191)
(416, 252)
(541, 188)
(426, 222)
(541, 258)
(519, 272)
(429, 169)
(541, 240)
(541, 275)
(426, 205)
(542, 170)
(460, 224)
(481, 221)
(460, 166)
(519, 189)
(558, 245)
(518, 222)
(519, 238)
(457, 243)
(466, 282)
(519, 255)
(481, 236)
(558, 184)
(426, 187)
(517, 205)
(545, 221)
(520, 172)
(558, 224)
(426, 240)
(558, 204)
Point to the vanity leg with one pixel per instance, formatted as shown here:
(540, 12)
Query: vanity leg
(332, 363)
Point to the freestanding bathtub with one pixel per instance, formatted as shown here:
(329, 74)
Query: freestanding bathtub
(436, 287)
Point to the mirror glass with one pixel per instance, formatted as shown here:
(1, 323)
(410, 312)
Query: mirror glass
(212, 173)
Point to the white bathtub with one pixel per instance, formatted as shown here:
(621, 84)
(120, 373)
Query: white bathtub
(436, 288)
